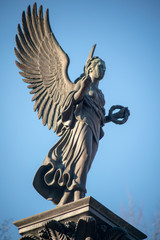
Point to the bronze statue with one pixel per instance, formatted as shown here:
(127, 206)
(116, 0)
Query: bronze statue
(75, 111)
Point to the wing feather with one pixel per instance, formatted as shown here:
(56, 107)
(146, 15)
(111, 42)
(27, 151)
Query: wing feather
(24, 43)
(35, 22)
(40, 22)
(36, 89)
(52, 89)
(30, 77)
(27, 69)
(39, 101)
(30, 27)
(55, 117)
(46, 112)
(27, 36)
(52, 115)
(47, 27)
(22, 52)
(23, 60)
(38, 94)
(42, 106)
(43, 64)
(35, 85)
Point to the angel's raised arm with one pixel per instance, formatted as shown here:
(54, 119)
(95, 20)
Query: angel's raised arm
(83, 86)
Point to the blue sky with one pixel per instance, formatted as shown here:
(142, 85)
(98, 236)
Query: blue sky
(127, 33)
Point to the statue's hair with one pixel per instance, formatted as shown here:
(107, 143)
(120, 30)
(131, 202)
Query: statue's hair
(91, 63)
(89, 66)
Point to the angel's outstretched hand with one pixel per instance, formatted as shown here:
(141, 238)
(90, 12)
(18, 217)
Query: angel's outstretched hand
(122, 113)
(119, 117)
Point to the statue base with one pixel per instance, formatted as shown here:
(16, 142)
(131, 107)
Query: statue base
(85, 219)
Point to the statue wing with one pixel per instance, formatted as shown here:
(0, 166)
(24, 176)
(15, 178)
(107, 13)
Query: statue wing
(44, 65)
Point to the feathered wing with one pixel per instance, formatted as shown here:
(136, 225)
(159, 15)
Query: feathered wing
(44, 65)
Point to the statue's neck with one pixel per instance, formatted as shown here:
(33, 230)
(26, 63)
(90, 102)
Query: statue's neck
(95, 83)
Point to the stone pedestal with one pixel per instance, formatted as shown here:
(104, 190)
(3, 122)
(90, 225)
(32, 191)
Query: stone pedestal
(85, 219)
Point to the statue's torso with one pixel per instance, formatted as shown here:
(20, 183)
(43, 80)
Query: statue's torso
(91, 111)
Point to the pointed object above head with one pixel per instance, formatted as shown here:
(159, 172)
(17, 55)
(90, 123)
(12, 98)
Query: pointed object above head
(91, 52)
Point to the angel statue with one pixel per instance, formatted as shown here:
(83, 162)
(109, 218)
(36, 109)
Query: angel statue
(75, 111)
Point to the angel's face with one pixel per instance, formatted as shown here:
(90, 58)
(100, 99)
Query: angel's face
(98, 70)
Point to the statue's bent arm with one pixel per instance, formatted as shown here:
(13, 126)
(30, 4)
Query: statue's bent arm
(84, 85)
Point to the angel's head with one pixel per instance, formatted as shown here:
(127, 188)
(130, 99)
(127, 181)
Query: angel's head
(95, 67)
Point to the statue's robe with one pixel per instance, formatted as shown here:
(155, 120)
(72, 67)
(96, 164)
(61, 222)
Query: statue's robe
(68, 162)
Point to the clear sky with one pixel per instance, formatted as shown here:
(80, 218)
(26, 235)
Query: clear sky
(127, 33)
